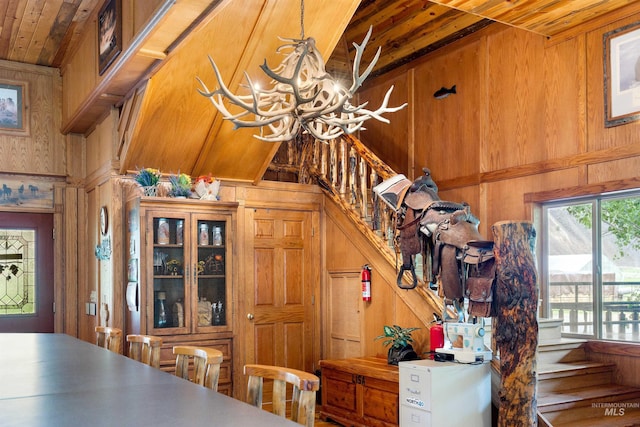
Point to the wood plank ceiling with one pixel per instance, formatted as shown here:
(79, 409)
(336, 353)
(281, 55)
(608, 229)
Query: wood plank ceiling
(45, 32)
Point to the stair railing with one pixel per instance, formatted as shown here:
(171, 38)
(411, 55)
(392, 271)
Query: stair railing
(348, 171)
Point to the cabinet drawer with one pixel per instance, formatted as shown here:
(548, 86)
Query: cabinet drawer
(413, 417)
(415, 387)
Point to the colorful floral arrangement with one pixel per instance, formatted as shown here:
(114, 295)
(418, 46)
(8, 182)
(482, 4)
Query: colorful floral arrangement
(180, 185)
(148, 177)
(206, 187)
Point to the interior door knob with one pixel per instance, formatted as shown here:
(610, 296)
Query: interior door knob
(249, 316)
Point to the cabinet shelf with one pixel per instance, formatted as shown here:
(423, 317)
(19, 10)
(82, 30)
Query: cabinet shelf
(168, 276)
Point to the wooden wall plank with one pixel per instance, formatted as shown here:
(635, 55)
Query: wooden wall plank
(41, 151)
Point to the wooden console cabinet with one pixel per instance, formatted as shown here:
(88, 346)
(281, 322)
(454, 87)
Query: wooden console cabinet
(360, 392)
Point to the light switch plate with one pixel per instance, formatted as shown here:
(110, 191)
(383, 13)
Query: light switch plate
(91, 308)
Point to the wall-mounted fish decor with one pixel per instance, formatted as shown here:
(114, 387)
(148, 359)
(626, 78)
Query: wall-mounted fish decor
(443, 92)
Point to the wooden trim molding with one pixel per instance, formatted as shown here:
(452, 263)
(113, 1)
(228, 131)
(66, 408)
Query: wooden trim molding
(583, 190)
(545, 166)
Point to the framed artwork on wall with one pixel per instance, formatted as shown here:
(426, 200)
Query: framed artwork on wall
(13, 108)
(622, 75)
(109, 34)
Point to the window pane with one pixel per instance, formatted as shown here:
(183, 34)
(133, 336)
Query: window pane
(620, 223)
(17, 272)
(570, 267)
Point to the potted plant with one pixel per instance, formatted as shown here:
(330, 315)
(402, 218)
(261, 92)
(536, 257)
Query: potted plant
(148, 178)
(180, 185)
(400, 340)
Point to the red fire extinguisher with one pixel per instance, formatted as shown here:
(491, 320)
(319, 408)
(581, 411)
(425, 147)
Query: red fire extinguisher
(436, 334)
(366, 283)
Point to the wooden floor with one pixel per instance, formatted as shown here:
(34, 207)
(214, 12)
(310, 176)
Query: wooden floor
(320, 423)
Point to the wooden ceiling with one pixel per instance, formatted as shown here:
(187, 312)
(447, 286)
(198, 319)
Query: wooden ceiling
(43, 32)
(46, 32)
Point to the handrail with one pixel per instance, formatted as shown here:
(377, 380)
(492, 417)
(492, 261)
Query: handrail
(347, 171)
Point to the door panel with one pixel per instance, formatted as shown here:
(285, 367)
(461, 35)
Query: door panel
(26, 261)
(281, 296)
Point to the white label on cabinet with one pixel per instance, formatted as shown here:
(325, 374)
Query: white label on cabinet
(414, 401)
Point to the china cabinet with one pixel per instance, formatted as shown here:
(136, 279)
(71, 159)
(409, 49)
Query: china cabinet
(180, 269)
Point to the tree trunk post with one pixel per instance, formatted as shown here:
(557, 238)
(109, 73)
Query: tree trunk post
(516, 333)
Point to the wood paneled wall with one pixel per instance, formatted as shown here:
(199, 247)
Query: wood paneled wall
(42, 150)
(81, 74)
(528, 117)
(346, 251)
(45, 152)
(525, 126)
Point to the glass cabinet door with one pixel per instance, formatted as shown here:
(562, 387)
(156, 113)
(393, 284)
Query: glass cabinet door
(211, 278)
(168, 304)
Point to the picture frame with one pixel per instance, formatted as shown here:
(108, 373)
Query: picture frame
(109, 34)
(14, 119)
(622, 75)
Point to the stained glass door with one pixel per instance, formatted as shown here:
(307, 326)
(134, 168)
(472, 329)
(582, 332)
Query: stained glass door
(26, 272)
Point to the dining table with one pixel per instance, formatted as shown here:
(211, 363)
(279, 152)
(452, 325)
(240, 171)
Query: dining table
(57, 380)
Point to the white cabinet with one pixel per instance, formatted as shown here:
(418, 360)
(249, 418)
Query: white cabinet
(444, 394)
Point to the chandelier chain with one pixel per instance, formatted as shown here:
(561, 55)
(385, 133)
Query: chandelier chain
(301, 19)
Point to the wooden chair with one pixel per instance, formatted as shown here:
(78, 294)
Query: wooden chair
(206, 364)
(109, 338)
(145, 349)
(303, 398)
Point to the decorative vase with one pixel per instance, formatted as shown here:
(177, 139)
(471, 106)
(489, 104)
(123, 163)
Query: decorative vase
(151, 191)
(396, 355)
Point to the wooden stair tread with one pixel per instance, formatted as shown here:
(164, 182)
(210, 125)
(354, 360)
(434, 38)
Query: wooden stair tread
(561, 342)
(558, 369)
(548, 401)
(626, 420)
(560, 345)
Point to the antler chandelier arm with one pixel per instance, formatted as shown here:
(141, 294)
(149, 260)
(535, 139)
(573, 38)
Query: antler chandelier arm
(357, 78)
(303, 96)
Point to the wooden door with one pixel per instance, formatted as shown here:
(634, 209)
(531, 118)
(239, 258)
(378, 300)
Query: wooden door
(26, 270)
(280, 295)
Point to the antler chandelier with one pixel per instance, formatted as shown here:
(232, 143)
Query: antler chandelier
(303, 95)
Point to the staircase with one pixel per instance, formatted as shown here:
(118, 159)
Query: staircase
(573, 391)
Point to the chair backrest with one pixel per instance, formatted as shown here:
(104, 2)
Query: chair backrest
(145, 349)
(109, 338)
(206, 364)
(303, 398)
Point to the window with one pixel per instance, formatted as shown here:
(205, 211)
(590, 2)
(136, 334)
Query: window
(17, 277)
(591, 266)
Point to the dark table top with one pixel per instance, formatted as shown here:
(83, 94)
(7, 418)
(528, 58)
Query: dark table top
(57, 380)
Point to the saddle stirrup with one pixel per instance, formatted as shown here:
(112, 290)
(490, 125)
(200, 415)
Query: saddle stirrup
(404, 268)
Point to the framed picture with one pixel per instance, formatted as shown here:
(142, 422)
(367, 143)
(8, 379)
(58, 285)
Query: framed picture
(13, 108)
(109, 34)
(622, 75)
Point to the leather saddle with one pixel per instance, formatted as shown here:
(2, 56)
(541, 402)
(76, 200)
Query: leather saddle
(461, 259)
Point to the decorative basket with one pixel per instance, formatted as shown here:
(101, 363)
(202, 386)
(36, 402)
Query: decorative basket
(151, 191)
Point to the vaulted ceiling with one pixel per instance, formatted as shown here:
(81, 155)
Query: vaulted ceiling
(241, 34)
